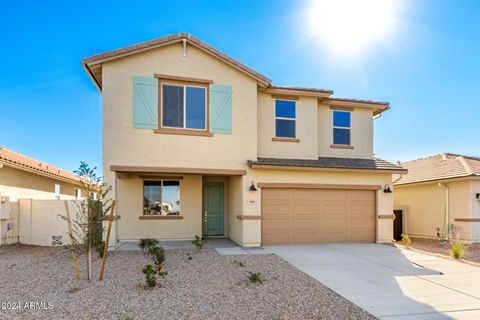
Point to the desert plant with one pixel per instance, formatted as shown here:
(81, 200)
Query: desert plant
(150, 278)
(255, 277)
(406, 239)
(87, 224)
(100, 247)
(158, 256)
(199, 242)
(147, 244)
(457, 250)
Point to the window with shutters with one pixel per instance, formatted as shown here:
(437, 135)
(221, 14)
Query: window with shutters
(183, 106)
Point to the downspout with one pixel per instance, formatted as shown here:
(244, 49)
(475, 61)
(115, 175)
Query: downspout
(446, 208)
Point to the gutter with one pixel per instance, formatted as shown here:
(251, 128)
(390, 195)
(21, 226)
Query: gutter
(446, 208)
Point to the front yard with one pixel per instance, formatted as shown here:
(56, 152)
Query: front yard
(432, 246)
(208, 286)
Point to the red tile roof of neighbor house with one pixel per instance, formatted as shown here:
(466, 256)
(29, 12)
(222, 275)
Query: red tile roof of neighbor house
(93, 66)
(13, 159)
(440, 167)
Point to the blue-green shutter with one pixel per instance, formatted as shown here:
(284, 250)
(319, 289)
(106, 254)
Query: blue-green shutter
(145, 103)
(220, 109)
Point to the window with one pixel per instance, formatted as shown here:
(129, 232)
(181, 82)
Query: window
(78, 193)
(57, 189)
(341, 127)
(161, 198)
(285, 114)
(184, 106)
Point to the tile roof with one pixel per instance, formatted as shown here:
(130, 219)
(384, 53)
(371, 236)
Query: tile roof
(173, 39)
(329, 163)
(17, 160)
(438, 167)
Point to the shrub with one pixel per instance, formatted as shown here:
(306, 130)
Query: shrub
(255, 277)
(457, 250)
(158, 256)
(150, 278)
(406, 239)
(199, 242)
(147, 244)
(100, 248)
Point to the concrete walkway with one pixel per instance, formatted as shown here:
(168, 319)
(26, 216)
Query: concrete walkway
(391, 283)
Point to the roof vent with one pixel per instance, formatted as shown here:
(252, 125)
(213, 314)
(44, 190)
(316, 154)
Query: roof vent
(444, 157)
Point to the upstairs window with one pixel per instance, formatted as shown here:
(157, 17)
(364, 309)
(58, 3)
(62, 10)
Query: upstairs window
(184, 106)
(285, 115)
(341, 127)
(161, 198)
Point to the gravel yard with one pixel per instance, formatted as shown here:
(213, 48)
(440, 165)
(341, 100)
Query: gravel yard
(209, 286)
(472, 251)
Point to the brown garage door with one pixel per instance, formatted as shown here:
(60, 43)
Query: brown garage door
(291, 216)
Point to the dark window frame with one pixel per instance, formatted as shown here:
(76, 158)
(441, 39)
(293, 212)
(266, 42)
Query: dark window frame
(290, 119)
(160, 183)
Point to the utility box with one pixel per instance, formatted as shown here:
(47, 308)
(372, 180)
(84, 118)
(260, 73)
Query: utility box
(5, 209)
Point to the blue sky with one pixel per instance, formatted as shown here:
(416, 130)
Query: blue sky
(428, 68)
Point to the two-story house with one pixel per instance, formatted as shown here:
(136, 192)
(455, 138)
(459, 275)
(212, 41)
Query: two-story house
(196, 143)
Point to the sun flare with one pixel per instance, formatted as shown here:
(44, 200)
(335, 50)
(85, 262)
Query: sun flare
(348, 27)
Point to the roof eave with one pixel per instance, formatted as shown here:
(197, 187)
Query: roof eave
(426, 181)
(254, 165)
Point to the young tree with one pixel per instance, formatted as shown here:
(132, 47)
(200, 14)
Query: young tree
(92, 210)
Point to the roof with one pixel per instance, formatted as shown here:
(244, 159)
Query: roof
(440, 167)
(10, 158)
(329, 163)
(93, 66)
(119, 53)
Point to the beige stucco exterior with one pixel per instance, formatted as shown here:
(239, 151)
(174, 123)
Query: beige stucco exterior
(19, 184)
(423, 206)
(252, 131)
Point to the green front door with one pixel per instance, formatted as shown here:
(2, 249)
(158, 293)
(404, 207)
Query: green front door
(213, 203)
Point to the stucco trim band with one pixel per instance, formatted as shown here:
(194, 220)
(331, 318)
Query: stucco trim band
(318, 186)
(208, 171)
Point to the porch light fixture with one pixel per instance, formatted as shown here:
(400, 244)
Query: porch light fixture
(387, 189)
(252, 187)
(478, 196)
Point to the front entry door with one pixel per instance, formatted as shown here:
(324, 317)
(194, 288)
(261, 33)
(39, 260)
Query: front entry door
(213, 203)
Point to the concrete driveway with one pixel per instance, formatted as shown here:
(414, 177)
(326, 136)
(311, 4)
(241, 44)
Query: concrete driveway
(391, 283)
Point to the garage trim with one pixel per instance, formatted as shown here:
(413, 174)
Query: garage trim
(319, 186)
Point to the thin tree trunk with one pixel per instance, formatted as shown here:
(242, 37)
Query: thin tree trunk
(89, 263)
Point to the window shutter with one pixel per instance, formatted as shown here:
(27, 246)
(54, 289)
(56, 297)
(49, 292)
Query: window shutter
(220, 109)
(145, 103)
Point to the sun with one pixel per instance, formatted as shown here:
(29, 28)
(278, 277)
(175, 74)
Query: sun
(349, 27)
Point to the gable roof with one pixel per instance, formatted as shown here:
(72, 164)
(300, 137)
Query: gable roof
(440, 167)
(93, 67)
(330, 163)
(93, 64)
(21, 162)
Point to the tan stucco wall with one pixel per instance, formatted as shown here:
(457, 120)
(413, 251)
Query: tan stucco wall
(252, 228)
(306, 126)
(424, 208)
(18, 184)
(474, 189)
(361, 134)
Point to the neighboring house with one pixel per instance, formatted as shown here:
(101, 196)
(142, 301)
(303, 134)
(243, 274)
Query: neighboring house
(437, 188)
(25, 178)
(231, 154)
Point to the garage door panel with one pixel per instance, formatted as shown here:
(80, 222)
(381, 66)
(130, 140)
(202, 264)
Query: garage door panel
(305, 236)
(293, 216)
(275, 209)
(300, 210)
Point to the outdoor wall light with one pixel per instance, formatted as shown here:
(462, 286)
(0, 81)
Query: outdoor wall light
(478, 196)
(387, 189)
(252, 187)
